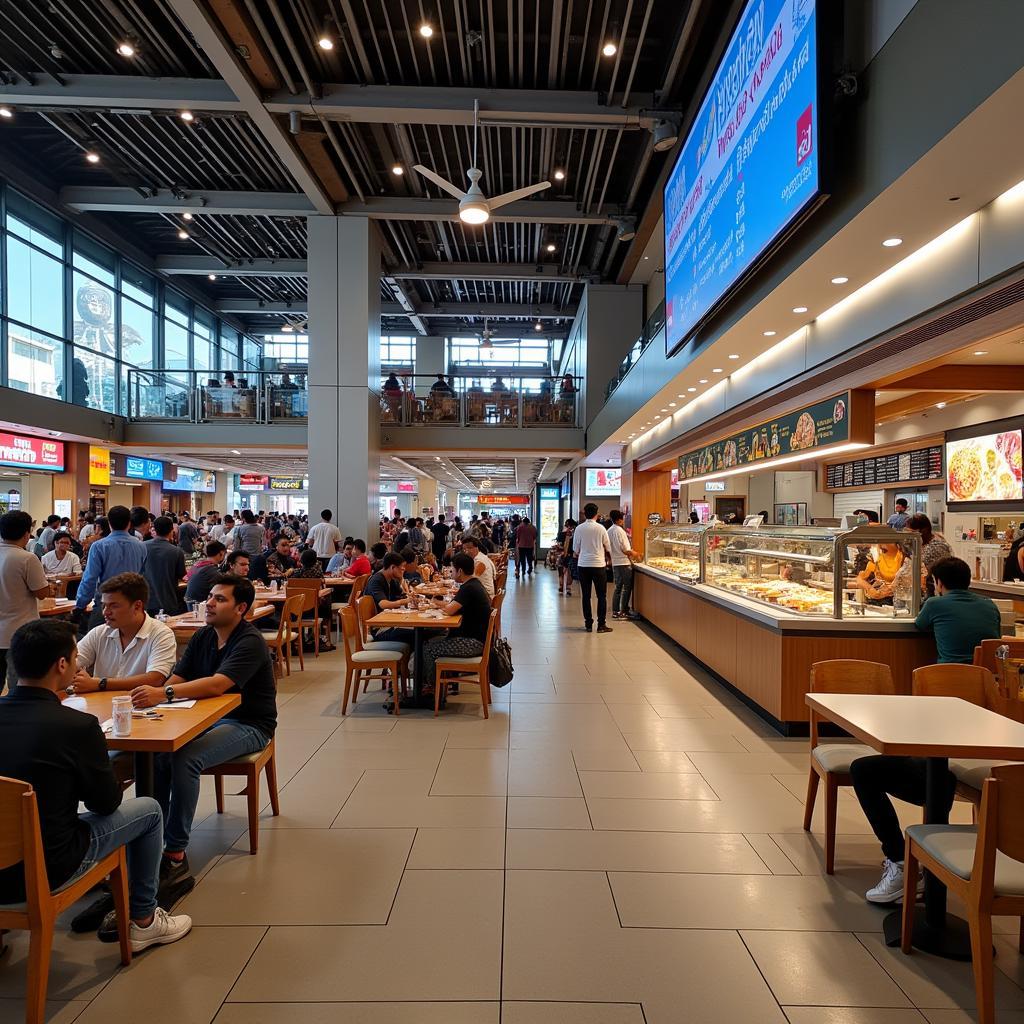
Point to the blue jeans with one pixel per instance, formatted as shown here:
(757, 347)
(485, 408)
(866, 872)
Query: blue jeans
(622, 576)
(138, 825)
(176, 776)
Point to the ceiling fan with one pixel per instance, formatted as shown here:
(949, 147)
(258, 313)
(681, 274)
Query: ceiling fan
(474, 206)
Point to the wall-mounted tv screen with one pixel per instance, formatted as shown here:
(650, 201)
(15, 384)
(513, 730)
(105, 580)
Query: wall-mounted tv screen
(603, 481)
(750, 165)
(983, 465)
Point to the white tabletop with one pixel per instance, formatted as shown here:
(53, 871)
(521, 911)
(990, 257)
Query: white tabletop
(923, 726)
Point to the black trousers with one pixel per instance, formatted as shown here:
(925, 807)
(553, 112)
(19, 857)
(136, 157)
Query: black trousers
(597, 577)
(524, 560)
(878, 777)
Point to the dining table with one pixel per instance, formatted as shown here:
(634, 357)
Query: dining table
(418, 621)
(186, 625)
(936, 729)
(166, 734)
(280, 596)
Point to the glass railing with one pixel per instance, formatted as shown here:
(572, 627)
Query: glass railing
(199, 396)
(655, 322)
(464, 401)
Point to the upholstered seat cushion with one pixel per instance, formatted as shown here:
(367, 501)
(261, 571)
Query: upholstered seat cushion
(837, 757)
(953, 847)
(387, 645)
(368, 657)
(460, 661)
(244, 758)
(971, 771)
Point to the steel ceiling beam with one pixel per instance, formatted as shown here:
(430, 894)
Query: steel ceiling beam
(526, 211)
(453, 310)
(544, 272)
(253, 307)
(203, 265)
(225, 58)
(372, 104)
(129, 200)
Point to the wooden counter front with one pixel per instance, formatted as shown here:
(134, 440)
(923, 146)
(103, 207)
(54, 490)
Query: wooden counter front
(770, 665)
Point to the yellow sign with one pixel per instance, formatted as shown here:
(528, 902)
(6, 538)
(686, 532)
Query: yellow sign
(99, 466)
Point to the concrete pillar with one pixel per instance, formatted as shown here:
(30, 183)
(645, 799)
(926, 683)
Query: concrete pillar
(429, 360)
(344, 372)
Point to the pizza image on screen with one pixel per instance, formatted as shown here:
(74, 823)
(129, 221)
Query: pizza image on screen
(986, 468)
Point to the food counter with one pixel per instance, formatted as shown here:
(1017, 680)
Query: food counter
(766, 603)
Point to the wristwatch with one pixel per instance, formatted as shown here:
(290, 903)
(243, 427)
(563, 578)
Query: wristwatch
(169, 693)
(103, 683)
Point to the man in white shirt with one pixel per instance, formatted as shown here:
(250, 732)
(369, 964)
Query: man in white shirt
(61, 561)
(324, 538)
(622, 566)
(129, 649)
(590, 545)
(484, 566)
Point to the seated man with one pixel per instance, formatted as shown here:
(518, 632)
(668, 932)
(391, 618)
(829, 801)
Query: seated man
(376, 559)
(360, 564)
(227, 655)
(130, 649)
(473, 604)
(311, 569)
(61, 561)
(61, 752)
(411, 567)
(280, 562)
(205, 571)
(341, 560)
(960, 619)
(238, 563)
(387, 590)
(484, 567)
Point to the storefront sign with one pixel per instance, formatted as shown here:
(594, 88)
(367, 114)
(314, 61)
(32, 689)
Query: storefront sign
(714, 485)
(142, 469)
(916, 465)
(99, 466)
(253, 482)
(503, 499)
(846, 418)
(31, 452)
(288, 483)
(398, 487)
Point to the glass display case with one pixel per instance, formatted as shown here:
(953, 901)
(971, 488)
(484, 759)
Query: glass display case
(869, 571)
(674, 549)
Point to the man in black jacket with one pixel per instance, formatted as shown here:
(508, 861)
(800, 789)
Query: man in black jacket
(62, 754)
(164, 570)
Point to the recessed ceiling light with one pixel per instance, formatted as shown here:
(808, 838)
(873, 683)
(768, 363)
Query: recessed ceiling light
(657, 417)
(212, 277)
(559, 175)
(187, 115)
(183, 234)
(733, 355)
(6, 112)
(671, 405)
(609, 49)
(940, 405)
(768, 334)
(691, 389)
(703, 380)
(981, 352)
(551, 246)
(93, 158)
(647, 257)
(664, 410)
(221, 469)
(325, 42)
(799, 309)
(891, 243)
(538, 326)
(187, 216)
(717, 369)
(426, 30)
(125, 49)
(680, 396)
(840, 280)
(398, 170)
(235, 451)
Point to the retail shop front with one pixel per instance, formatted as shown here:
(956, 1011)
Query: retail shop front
(759, 602)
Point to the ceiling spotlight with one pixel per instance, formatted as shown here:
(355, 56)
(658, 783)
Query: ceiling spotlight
(768, 334)
(550, 247)
(691, 390)
(799, 309)
(559, 175)
(940, 405)
(891, 243)
(187, 216)
(6, 112)
(609, 49)
(288, 328)
(840, 280)
(666, 134)
(125, 49)
(625, 229)
(538, 326)
(183, 234)
(426, 30)
(664, 410)
(733, 355)
(187, 116)
(981, 352)
(671, 405)
(398, 170)
(717, 369)
(212, 277)
(93, 158)
(703, 380)
(680, 396)
(325, 42)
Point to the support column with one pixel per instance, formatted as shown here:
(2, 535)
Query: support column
(344, 372)
(429, 360)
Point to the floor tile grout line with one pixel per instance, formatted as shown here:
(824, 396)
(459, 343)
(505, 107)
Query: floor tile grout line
(771, 838)
(757, 967)
(611, 892)
(248, 960)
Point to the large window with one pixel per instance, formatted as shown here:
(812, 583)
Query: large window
(138, 319)
(290, 348)
(35, 287)
(398, 352)
(529, 353)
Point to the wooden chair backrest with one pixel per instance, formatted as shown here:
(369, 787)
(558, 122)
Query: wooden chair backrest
(366, 608)
(357, 588)
(350, 632)
(291, 611)
(21, 839)
(1000, 824)
(967, 682)
(485, 660)
(1008, 707)
(985, 652)
(310, 591)
(848, 675)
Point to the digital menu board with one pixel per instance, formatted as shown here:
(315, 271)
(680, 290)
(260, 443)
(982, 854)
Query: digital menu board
(750, 164)
(918, 465)
(143, 469)
(31, 452)
(983, 465)
(603, 481)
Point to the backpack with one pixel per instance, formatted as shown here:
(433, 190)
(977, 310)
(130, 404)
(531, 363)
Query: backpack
(499, 669)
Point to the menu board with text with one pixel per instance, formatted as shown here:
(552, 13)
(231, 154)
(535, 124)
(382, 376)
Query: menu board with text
(919, 465)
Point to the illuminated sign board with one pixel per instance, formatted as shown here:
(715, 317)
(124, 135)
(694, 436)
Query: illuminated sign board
(31, 452)
(253, 482)
(99, 466)
(143, 469)
(288, 483)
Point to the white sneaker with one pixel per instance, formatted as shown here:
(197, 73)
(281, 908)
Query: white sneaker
(162, 930)
(890, 886)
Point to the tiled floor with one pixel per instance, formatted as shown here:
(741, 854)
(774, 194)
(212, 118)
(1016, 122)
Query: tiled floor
(620, 843)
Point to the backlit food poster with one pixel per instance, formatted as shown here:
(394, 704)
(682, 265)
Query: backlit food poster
(986, 467)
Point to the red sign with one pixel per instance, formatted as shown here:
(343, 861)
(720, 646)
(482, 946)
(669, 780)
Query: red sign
(33, 452)
(503, 499)
(406, 486)
(253, 482)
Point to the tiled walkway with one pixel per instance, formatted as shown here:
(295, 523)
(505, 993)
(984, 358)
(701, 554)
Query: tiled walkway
(620, 843)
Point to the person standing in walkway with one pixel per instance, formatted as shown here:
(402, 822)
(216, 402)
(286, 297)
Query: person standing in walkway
(165, 569)
(114, 554)
(249, 534)
(589, 546)
(22, 580)
(325, 539)
(622, 566)
(526, 542)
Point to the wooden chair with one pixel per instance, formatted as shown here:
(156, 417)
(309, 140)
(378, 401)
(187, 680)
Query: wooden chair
(985, 652)
(982, 866)
(310, 590)
(21, 842)
(496, 602)
(358, 586)
(358, 661)
(287, 631)
(467, 670)
(831, 761)
(365, 610)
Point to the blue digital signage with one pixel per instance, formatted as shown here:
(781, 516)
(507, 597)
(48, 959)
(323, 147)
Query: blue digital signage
(143, 469)
(750, 164)
(190, 479)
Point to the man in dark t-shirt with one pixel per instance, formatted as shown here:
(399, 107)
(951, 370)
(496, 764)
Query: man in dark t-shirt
(440, 530)
(227, 655)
